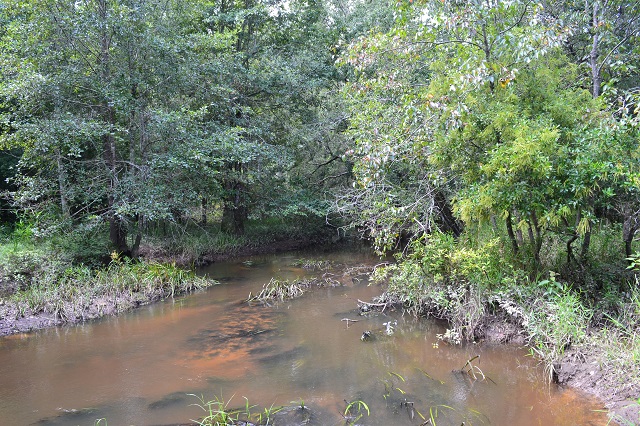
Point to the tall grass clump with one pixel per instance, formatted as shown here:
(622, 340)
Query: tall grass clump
(277, 289)
(555, 318)
(189, 243)
(619, 335)
(80, 293)
(218, 413)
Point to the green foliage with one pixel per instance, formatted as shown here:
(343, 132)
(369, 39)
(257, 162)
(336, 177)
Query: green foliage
(456, 124)
(556, 321)
(218, 413)
(135, 114)
(447, 279)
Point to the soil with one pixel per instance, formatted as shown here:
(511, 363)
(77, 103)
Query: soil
(587, 372)
(12, 322)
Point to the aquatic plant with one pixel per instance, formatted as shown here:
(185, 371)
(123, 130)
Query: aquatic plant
(354, 411)
(474, 371)
(430, 412)
(313, 264)
(277, 289)
(216, 411)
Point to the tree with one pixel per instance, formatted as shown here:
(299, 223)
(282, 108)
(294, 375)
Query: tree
(474, 104)
(96, 92)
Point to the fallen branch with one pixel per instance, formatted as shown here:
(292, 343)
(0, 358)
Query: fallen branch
(378, 305)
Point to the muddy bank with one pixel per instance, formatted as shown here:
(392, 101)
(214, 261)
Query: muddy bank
(583, 368)
(13, 322)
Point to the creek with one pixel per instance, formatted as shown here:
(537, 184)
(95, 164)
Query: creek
(139, 368)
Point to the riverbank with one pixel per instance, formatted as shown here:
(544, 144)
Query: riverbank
(586, 349)
(595, 356)
(67, 279)
(79, 294)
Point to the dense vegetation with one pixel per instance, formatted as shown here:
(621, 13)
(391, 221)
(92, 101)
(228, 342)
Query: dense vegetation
(491, 145)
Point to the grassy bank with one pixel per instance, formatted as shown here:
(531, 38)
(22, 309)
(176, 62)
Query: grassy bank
(72, 275)
(582, 323)
(201, 244)
(79, 293)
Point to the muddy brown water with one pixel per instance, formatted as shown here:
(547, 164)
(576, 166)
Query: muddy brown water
(138, 369)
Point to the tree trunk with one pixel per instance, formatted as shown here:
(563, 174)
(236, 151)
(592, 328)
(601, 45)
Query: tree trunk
(448, 221)
(518, 231)
(537, 238)
(629, 229)
(203, 212)
(235, 212)
(596, 76)
(64, 204)
(234, 216)
(117, 231)
(512, 236)
(574, 237)
(118, 235)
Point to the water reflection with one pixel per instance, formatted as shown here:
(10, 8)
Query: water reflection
(139, 368)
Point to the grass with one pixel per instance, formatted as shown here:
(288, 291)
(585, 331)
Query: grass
(281, 290)
(80, 293)
(190, 243)
(218, 413)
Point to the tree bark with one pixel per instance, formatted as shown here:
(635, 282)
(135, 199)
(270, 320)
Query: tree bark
(596, 76)
(235, 212)
(512, 236)
(573, 238)
(203, 212)
(117, 232)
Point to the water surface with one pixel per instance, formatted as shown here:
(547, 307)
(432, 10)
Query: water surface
(138, 369)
